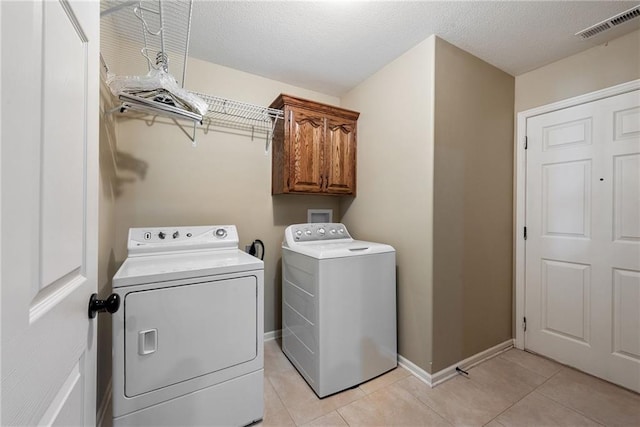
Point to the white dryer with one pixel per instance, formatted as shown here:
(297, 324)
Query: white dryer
(188, 338)
(338, 306)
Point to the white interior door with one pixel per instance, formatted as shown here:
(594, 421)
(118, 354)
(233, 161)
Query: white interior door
(49, 182)
(582, 279)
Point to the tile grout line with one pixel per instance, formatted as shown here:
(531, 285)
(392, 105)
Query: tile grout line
(426, 405)
(566, 406)
(320, 416)
(434, 409)
(531, 370)
(523, 397)
(420, 402)
(386, 385)
(281, 401)
(516, 402)
(286, 408)
(340, 415)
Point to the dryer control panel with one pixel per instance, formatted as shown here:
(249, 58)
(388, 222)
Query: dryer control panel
(315, 232)
(150, 240)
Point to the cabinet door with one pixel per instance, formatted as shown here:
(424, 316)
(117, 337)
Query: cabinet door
(340, 155)
(306, 156)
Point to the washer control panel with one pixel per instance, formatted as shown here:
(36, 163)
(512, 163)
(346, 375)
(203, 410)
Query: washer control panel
(315, 232)
(150, 240)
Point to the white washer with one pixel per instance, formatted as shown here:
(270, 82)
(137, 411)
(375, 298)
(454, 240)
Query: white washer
(188, 338)
(338, 306)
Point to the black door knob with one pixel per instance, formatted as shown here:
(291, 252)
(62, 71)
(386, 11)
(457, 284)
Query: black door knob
(110, 305)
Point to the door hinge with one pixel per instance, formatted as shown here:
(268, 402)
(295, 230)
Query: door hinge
(524, 324)
(526, 142)
(525, 233)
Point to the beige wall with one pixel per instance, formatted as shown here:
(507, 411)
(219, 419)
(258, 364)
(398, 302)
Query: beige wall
(226, 179)
(454, 292)
(597, 68)
(106, 241)
(395, 173)
(472, 205)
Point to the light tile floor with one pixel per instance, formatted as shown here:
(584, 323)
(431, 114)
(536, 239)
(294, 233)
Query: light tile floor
(514, 388)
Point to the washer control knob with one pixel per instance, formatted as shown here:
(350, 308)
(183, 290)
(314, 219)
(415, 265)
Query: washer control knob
(299, 233)
(332, 231)
(221, 233)
(321, 231)
(341, 230)
(161, 235)
(176, 235)
(307, 232)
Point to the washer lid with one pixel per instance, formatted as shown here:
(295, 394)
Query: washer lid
(326, 250)
(161, 268)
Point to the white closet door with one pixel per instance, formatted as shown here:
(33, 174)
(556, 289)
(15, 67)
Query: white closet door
(49, 210)
(582, 300)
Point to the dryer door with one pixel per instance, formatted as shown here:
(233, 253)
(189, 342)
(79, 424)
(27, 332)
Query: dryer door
(178, 333)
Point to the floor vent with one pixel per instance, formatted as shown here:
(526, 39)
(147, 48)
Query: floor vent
(607, 24)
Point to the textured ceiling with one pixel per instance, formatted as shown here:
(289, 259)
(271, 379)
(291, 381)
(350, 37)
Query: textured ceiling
(332, 46)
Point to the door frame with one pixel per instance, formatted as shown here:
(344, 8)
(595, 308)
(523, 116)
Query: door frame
(520, 187)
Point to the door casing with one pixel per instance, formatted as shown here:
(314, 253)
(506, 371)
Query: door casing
(520, 188)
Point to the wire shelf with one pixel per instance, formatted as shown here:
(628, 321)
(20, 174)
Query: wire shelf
(240, 115)
(140, 35)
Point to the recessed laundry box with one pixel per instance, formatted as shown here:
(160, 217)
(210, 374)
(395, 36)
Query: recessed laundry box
(188, 340)
(338, 306)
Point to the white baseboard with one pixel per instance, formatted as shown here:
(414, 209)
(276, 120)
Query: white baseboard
(447, 373)
(415, 370)
(268, 336)
(104, 405)
(443, 375)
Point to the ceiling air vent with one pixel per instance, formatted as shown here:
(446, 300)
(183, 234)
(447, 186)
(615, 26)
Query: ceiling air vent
(607, 24)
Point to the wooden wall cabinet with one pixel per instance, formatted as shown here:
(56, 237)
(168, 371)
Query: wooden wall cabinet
(314, 148)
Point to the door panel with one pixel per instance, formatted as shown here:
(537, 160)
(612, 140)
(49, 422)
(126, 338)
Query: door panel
(627, 123)
(571, 133)
(566, 194)
(566, 284)
(49, 210)
(340, 156)
(626, 189)
(62, 145)
(582, 290)
(626, 318)
(307, 135)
